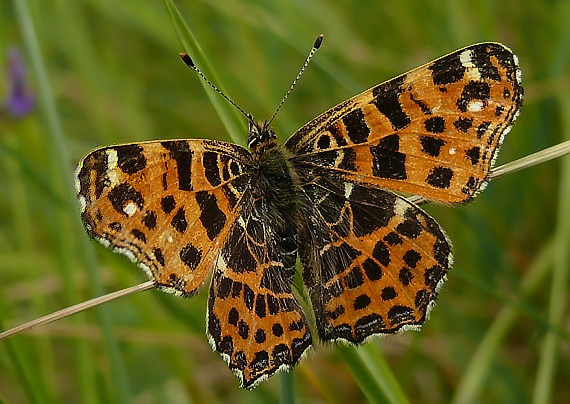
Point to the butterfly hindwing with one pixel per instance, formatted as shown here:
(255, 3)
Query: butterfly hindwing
(254, 320)
(373, 262)
(167, 205)
(434, 131)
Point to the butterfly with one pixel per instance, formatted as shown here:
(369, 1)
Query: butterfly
(331, 196)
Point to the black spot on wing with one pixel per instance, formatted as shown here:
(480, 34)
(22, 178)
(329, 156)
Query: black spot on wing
(158, 256)
(211, 169)
(387, 161)
(362, 302)
(277, 329)
(388, 293)
(123, 194)
(116, 226)
(168, 204)
(139, 235)
(431, 145)
(324, 142)
(260, 306)
(224, 287)
(463, 124)
(482, 128)
(180, 152)
(440, 177)
(411, 258)
(381, 253)
(386, 100)
(474, 90)
(473, 154)
(435, 124)
(393, 239)
(447, 70)
(372, 269)
(179, 221)
(405, 276)
(149, 219)
(190, 256)
(130, 158)
(211, 216)
(260, 336)
(356, 126)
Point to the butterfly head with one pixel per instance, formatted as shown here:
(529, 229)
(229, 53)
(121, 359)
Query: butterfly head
(260, 135)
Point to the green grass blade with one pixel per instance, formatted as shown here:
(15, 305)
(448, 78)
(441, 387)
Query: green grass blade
(474, 377)
(68, 229)
(232, 119)
(372, 374)
(558, 295)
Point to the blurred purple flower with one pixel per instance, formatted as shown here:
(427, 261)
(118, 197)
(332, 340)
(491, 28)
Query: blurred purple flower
(20, 99)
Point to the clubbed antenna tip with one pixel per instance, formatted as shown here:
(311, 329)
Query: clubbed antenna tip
(190, 63)
(188, 60)
(315, 48)
(318, 41)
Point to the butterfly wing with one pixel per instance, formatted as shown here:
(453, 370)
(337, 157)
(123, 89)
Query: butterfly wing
(373, 262)
(168, 206)
(254, 320)
(434, 131)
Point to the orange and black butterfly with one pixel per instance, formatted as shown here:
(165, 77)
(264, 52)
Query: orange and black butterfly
(373, 262)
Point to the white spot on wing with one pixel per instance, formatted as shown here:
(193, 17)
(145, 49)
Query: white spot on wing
(112, 159)
(475, 106)
(130, 209)
(82, 203)
(221, 263)
(465, 58)
(76, 175)
(112, 173)
(452, 150)
(472, 72)
(348, 186)
(241, 222)
(518, 73)
(400, 206)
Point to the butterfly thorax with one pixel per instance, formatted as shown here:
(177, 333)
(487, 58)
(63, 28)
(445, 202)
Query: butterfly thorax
(276, 180)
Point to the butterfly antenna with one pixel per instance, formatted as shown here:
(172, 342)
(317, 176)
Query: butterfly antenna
(190, 63)
(315, 48)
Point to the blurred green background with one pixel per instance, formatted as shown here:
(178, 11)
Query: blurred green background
(106, 72)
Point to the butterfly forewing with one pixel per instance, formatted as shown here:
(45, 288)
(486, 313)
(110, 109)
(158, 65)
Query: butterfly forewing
(434, 131)
(166, 205)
